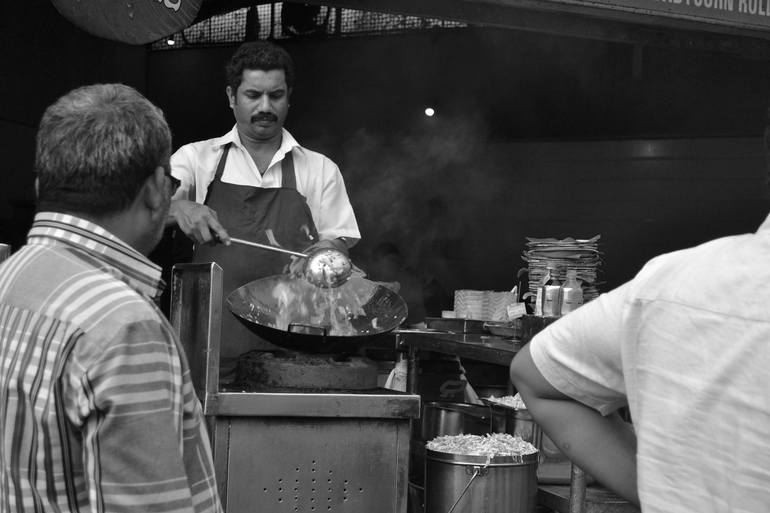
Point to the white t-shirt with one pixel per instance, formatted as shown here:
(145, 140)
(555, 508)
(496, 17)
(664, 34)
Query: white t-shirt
(318, 178)
(687, 341)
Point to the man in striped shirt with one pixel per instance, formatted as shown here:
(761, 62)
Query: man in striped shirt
(97, 409)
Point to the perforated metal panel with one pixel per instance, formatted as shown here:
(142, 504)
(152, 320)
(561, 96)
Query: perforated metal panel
(314, 485)
(280, 464)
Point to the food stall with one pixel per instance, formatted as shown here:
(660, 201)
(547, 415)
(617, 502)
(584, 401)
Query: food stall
(338, 433)
(303, 442)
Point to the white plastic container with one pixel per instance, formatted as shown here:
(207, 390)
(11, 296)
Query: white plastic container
(571, 293)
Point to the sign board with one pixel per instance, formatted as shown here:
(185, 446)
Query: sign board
(741, 17)
(752, 14)
(135, 22)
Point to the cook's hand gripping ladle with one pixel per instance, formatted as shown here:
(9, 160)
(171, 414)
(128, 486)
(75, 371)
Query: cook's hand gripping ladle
(326, 267)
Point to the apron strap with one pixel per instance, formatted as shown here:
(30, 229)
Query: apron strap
(288, 178)
(218, 173)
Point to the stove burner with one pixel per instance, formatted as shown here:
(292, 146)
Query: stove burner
(263, 370)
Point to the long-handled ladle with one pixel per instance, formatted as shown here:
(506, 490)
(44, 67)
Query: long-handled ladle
(326, 267)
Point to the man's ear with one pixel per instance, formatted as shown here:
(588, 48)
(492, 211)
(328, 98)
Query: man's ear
(230, 96)
(37, 187)
(154, 190)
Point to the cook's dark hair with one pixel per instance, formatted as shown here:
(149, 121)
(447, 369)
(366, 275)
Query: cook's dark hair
(259, 55)
(96, 146)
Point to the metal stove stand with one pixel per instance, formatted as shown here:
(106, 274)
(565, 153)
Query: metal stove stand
(283, 451)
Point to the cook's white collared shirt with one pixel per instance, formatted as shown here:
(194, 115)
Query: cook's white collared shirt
(687, 342)
(318, 178)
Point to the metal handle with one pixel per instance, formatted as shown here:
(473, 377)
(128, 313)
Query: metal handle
(476, 471)
(268, 247)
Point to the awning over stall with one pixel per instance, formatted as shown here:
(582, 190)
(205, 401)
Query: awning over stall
(146, 21)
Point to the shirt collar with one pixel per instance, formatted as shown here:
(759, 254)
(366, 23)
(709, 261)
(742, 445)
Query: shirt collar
(119, 258)
(287, 142)
(765, 226)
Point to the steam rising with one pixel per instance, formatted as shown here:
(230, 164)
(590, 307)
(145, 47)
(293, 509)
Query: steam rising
(425, 192)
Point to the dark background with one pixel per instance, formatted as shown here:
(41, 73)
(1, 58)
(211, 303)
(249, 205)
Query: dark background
(654, 148)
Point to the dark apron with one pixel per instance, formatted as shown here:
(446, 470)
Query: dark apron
(246, 212)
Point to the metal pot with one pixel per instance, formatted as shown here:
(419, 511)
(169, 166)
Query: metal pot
(375, 310)
(516, 423)
(478, 484)
(442, 419)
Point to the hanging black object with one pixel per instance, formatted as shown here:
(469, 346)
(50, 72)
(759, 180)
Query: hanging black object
(135, 22)
(300, 19)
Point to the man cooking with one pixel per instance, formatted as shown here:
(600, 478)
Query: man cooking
(257, 183)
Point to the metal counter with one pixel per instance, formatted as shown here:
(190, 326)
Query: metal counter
(474, 346)
(380, 404)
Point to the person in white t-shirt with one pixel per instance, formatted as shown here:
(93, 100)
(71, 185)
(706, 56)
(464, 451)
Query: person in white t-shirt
(257, 183)
(686, 346)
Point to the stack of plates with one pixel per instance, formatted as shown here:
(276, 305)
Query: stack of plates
(583, 255)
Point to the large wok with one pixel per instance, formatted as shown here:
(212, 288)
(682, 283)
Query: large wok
(370, 308)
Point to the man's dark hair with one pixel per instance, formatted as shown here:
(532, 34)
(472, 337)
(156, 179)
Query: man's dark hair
(259, 55)
(96, 146)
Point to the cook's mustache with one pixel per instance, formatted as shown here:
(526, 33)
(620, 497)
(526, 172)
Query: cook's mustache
(263, 116)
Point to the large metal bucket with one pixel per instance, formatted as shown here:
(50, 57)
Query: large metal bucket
(476, 484)
(443, 419)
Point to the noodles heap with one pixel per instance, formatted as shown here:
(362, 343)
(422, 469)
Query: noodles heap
(491, 444)
(511, 401)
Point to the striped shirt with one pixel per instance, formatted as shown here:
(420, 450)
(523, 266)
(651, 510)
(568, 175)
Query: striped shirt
(97, 408)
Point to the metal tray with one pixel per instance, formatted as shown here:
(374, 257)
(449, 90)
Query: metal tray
(508, 329)
(455, 325)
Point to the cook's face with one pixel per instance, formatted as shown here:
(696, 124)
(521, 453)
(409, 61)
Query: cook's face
(260, 104)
